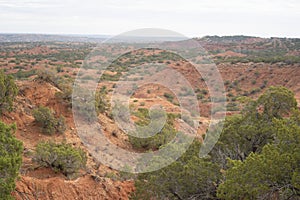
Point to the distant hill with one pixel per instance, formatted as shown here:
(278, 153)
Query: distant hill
(227, 40)
(51, 38)
(81, 38)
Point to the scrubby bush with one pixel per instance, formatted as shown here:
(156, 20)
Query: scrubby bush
(47, 76)
(63, 83)
(10, 160)
(60, 157)
(21, 74)
(169, 97)
(60, 125)
(8, 92)
(49, 123)
(163, 136)
(277, 101)
(101, 103)
(65, 93)
(88, 106)
(200, 96)
(59, 69)
(232, 106)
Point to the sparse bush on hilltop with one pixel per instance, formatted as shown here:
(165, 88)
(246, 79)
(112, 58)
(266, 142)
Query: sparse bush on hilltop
(60, 157)
(49, 123)
(10, 160)
(8, 92)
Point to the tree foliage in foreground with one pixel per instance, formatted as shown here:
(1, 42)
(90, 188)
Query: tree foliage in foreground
(273, 173)
(190, 177)
(254, 127)
(10, 160)
(257, 157)
(8, 92)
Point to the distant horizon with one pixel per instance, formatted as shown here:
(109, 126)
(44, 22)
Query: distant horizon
(96, 35)
(258, 18)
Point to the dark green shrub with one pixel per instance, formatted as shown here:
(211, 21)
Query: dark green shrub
(49, 123)
(204, 92)
(10, 160)
(255, 90)
(189, 177)
(232, 106)
(230, 95)
(65, 93)
(8, 92)
(84, 105)
(273, 172)
(60, 125)
(60, 157)
(101, 103)
(277, 102)
(88, 106)
(169, 97)
(21, 74)
(108, 77)
(200, 96)
(47, 76)
(227, 82)
(59, 69)
(163, 136)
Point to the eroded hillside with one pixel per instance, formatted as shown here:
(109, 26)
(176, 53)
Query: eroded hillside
(247, 65)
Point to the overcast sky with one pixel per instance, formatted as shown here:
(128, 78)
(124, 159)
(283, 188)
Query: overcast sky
(193, 18)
